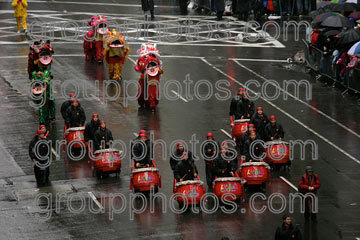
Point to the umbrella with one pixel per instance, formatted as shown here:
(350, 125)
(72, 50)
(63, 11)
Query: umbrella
(349, 36)
(345, 7)
(355, 49)
(320, 18)
(332, 32)
(337, 21)
(355, 15)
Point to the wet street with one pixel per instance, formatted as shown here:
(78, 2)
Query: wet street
(77, 205)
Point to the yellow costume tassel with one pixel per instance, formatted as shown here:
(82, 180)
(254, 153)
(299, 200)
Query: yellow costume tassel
(117, 71)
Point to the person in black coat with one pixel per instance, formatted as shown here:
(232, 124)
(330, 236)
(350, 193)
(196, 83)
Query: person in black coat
(236, 105)
(287, 231)
(66, 105)
(211, 152)
(248, 107)
(140, 151)
(256, 150)
(226, 164)
(185, 169)
(102, 136)
(91, 128)
(75, 115)
(183, 7)
(41, 155)
(245, 137)
(243, 9)
(148, 5)
(260, 120)
(274, 130)
(220, 9)
(175, 158)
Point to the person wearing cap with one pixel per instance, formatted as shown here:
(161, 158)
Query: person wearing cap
(226, 163)
(65, 105)
(102, 137)
(211, 150)
(241, 143)
(140, 151)
(287, 231)
(253, 151)
(185, 168)
(43, 128)
(236, 105)
(248, 107)
(91, 128)
(260, 120)
(274, 130)
(309, 183)
(175, 157)
(40, 152)
(75, 115)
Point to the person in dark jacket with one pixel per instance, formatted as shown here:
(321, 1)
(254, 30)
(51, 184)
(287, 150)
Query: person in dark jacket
(141, 151)
(287, 231)
(102, 136)
(274, 130)
(248, 107)
(148, 5)
(91, 128)
(185, 169)
(211, 150)
(243, 9)
(75, 115)
(254, 152)
(245, 137)
(177, 154)
(236, 105)
(43, 128)
(183, 7)
(220, 8)
(66, 105)
(226, 164)
(40, 155)
(260, 120)
(309, 183)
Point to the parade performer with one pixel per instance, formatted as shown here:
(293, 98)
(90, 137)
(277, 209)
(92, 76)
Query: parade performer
(146, 51)
(20, 13)
(40, 57)
(115, 53)
(93, 40)
(41, 86)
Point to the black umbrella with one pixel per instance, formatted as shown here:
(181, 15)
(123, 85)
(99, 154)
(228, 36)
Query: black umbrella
(332, 32)
(345, 7)
(337, 21)
(349, 36)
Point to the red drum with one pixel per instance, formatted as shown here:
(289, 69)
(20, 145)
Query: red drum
(192, 190)
(107, 161)
(233, 185)
(143, 179)
(255, 173)
(277, 152)
(240, 127)
(75, 134)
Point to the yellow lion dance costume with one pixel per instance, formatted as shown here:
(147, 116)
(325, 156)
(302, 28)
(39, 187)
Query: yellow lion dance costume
(115, 53)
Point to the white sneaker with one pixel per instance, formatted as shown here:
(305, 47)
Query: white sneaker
(25, 31)
(18, 32)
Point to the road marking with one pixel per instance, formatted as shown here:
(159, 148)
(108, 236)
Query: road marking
(257, 60)
(177, 94)
(95, 200)
(55, 153)
(299, 100)
(132, 60)
(287, 114)
(96, 98)
(289, 183)
(226, 133)
(135, 134)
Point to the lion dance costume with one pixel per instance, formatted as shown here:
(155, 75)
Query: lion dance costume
(41, 88)
(40, 57)
(115, 53)
(150, 67)
(93, 39)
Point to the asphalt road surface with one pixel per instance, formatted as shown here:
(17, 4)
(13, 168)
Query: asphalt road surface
(330, 118)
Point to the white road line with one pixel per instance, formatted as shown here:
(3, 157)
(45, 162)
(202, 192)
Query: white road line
(95, 200)
(55, 153)
(177, 94)
(132, 60)
(287, 114)
(301, 101)
(257, 60)
(289, 183)
(96, 98)
(135, 134)
(226, 133)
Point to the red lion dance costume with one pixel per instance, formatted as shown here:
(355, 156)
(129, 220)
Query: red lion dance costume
(150, 67)
(93, 40)
(115, 53)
